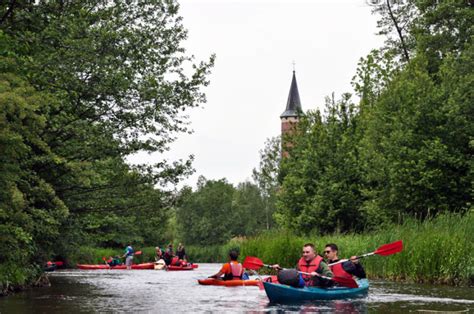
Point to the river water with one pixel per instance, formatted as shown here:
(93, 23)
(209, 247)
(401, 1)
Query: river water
(88, 291)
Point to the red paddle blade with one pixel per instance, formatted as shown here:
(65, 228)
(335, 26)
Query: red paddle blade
(345, 282)
(251, 262)
(138, 253)
(389, 249)
(104, 259)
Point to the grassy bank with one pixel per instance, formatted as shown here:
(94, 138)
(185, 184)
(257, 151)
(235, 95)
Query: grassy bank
(438, 250)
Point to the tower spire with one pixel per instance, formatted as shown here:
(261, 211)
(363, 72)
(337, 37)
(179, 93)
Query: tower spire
(293, 105)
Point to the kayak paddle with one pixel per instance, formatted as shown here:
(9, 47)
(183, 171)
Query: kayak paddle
(383, 250)
(255, 263)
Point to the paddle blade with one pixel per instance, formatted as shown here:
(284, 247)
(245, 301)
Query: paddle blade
(104, 259)
(389, 249)
(138, 253)
(251, 262)
(345, 282)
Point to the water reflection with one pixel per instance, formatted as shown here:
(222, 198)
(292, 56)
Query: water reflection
(335, 306)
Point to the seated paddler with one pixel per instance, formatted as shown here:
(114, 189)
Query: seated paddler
(310, 263)
(233, 270)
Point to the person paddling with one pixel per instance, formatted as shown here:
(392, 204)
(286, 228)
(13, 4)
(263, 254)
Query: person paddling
(311, 263)
(114, 261)
(128, 256)
(232, 270)
(346, 269)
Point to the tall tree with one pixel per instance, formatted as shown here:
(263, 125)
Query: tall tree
(205, 216)
(266, 177)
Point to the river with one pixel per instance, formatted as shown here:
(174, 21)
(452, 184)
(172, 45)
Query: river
(81, 291)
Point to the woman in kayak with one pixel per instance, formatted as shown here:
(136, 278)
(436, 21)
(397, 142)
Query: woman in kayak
(181, 252)
(158, 253)
(231, 270)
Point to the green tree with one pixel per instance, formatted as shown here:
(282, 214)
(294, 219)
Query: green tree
(30, 211)
(249, 212)
(205, 216)
(321, 183)
(266, 177)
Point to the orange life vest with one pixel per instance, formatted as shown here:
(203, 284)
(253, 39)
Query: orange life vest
(339, 271)
(309, 267)
(237, 270)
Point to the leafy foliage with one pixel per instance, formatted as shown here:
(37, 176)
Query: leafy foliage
(84, 85)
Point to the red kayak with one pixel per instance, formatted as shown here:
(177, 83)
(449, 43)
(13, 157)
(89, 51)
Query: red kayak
(103, 266)
(236, 282)
(187, 267)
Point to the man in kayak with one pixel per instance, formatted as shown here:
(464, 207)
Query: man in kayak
(128, 256)
(231, 270)
(169, 254)
(314, 264)
(347, 269)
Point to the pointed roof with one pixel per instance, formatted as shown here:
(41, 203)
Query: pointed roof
(293, 105)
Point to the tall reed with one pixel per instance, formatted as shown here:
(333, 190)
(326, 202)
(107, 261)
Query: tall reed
(438, 250)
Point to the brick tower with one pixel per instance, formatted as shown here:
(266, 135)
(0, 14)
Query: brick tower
(290, 117)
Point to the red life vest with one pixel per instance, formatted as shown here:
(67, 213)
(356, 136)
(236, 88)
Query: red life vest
(309, 267)
(339, 271)
(236, 270)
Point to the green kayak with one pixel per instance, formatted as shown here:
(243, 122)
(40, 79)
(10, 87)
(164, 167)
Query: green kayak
(278, 293)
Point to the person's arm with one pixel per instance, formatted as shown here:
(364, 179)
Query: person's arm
(354, 268)
(323, 270)
(221, 272)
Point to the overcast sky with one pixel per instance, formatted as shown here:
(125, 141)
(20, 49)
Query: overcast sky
(256, 42)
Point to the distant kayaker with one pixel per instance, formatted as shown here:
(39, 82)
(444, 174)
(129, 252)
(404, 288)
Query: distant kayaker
(231, 270)
(158, 253)
(313, 264)
(346, 269)
(169, 254)
(114, 261)
(128, 256)
(181, 252)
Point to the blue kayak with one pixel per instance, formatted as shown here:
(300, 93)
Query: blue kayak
(278, 293)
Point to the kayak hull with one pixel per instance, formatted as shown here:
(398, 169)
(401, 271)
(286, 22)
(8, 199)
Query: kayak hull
(228, 283)
(103, 266)
(177, 268)
(278, 293)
